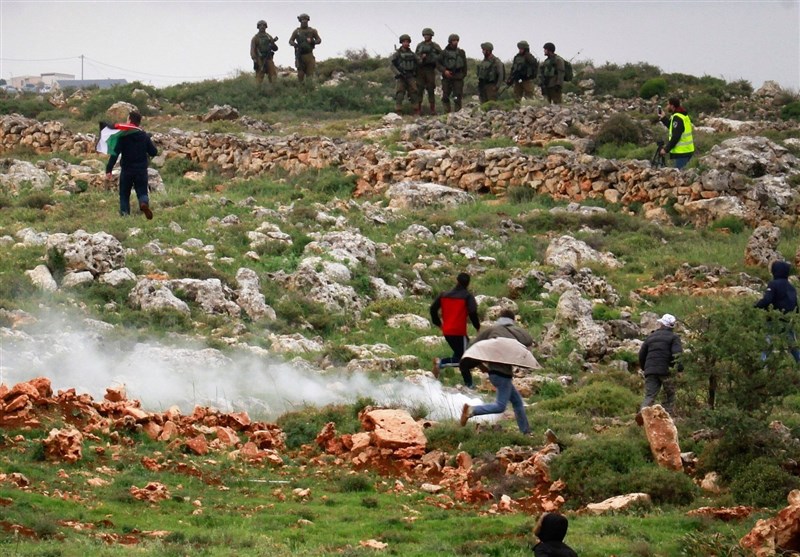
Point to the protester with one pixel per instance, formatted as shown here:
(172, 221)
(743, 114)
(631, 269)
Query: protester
(680, 142)
(782, 296)
(551, 529)
(657, 357)
(455, 306)
(500, 375)
(135, 147)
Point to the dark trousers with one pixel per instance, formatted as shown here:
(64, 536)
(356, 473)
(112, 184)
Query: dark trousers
(128, 180)
(459, 345)
(652, 386)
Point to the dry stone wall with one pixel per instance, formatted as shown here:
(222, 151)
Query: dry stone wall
(561, 173)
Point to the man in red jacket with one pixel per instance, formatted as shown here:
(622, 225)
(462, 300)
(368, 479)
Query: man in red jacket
(455, 306)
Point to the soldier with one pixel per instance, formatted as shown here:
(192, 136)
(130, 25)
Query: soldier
(405, 64)
(262, 49)
(491, 72)
(523, 72)
(453, 65)
(428, 51)
(304, 39)
(551, 74)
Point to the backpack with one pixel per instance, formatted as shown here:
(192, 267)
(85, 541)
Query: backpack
(568, 73)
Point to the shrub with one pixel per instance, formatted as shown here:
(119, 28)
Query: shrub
(656, 86)
(597, 399)
(602, 312)
(791, 111)
(356, 484)
(35, 200)
(763, 483)
(302, 427)
(701, 103)
(735, 224)
(619, 129)
(178, 166)
(664, 486)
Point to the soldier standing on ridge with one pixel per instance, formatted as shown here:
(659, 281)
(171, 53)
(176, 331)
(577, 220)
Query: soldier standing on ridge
(304, 39)
(551, 74)
(523, 71)
(262, 49)
(405, 64)
(453, 65)
(428, 52)
(491, 72)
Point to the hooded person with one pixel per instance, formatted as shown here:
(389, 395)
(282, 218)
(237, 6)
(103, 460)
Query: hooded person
(551, 529)
(782, 296)
(657, 357)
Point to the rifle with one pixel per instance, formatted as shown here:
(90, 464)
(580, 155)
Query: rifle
(658, 160)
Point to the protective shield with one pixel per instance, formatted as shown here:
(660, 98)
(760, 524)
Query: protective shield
(502, 350)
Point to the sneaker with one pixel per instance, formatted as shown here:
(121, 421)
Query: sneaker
(145, 208)
(466, 413)
(436, 368)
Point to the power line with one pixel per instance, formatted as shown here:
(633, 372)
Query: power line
(38, 59)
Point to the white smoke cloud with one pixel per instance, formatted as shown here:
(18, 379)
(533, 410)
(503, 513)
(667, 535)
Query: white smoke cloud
(90, 356)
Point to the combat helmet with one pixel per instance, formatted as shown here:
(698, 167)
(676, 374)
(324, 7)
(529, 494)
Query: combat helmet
(260, 23)
(523, 44)
(405, 37)
(453, 37)
(487, 46)
(427, 31)
(301, 17)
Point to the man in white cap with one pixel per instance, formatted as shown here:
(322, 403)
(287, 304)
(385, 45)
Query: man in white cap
(657, 357)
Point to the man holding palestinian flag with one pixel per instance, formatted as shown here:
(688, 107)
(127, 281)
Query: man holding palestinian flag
(135, 147)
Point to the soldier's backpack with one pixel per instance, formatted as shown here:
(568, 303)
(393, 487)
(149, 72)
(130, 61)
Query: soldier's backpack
(568, 73)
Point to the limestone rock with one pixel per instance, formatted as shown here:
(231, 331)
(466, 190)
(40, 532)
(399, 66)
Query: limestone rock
(663, 437)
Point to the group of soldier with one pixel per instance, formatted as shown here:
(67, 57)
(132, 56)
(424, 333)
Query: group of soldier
(415, 70)
(303, 40)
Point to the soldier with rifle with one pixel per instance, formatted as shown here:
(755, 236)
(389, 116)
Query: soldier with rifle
(304, 39)
(405, 63)
(453, 66)
(428, 52)
(491, 72)
(262, 49)
(524, 68)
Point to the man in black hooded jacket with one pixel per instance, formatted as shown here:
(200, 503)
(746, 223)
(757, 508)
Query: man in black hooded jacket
(657, 356)
(551, 529)
(781, 295)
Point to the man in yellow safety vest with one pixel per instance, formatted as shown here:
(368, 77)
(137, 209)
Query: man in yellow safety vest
(680, 143)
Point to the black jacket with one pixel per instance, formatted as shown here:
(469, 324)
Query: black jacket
(780, 293)
(551, 532)
(134, 149)
(658, 351)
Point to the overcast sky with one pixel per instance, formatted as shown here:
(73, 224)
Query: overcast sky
(170, 41)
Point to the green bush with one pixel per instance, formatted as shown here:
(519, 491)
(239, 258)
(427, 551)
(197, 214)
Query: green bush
(597, 399)
(303, 426)
(701, 103)
(763, 483)
(655, 87)
(176, 167)
(619, 129)
(602, 312)
(665, 487)
(791, 111)
(735, 224)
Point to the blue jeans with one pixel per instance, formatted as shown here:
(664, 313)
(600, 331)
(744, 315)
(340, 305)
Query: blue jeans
(790, 336)
(681, 160)
(128, 180)
(505, 392)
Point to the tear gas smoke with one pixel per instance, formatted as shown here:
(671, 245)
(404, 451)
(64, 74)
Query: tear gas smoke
(89, 356)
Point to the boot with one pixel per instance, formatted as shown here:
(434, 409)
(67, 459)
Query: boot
(433, 108)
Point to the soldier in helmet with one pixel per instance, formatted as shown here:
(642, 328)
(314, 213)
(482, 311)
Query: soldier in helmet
(304, 39)
(262, 49)
(551, 74)
(491, 72)
(428, 52)
(405, 64)
(523, 72)
(453, 66)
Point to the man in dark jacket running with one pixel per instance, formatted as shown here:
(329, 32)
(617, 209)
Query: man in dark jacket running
(455, 306)
(656, 358)
(782, 296)
(135, 147)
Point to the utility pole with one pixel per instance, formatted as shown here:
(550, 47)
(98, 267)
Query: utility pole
(81, 67)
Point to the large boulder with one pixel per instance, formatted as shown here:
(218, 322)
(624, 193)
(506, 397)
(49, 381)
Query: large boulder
(566, 251)
(777, 535)
(762, 246)
(416, 195)
(663, 437)
(15, 174)
(97, 253)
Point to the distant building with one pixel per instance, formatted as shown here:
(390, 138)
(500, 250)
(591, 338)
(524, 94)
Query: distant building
(86, 83)
(22, 80)
(50, 78)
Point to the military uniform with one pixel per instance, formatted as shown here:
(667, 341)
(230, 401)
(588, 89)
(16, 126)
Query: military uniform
(405, 63)
(453, 66)
(304, 39)
(551, 77)
(428, 52)
(523, 71)
(491, 72)
(262, 49)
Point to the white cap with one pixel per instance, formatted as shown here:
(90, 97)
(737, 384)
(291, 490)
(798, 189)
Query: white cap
(668, 320)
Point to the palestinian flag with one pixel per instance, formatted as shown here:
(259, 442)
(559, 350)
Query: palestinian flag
(110, 134)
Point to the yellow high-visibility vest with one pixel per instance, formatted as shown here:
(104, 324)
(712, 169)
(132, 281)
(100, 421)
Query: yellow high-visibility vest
(685, 144)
